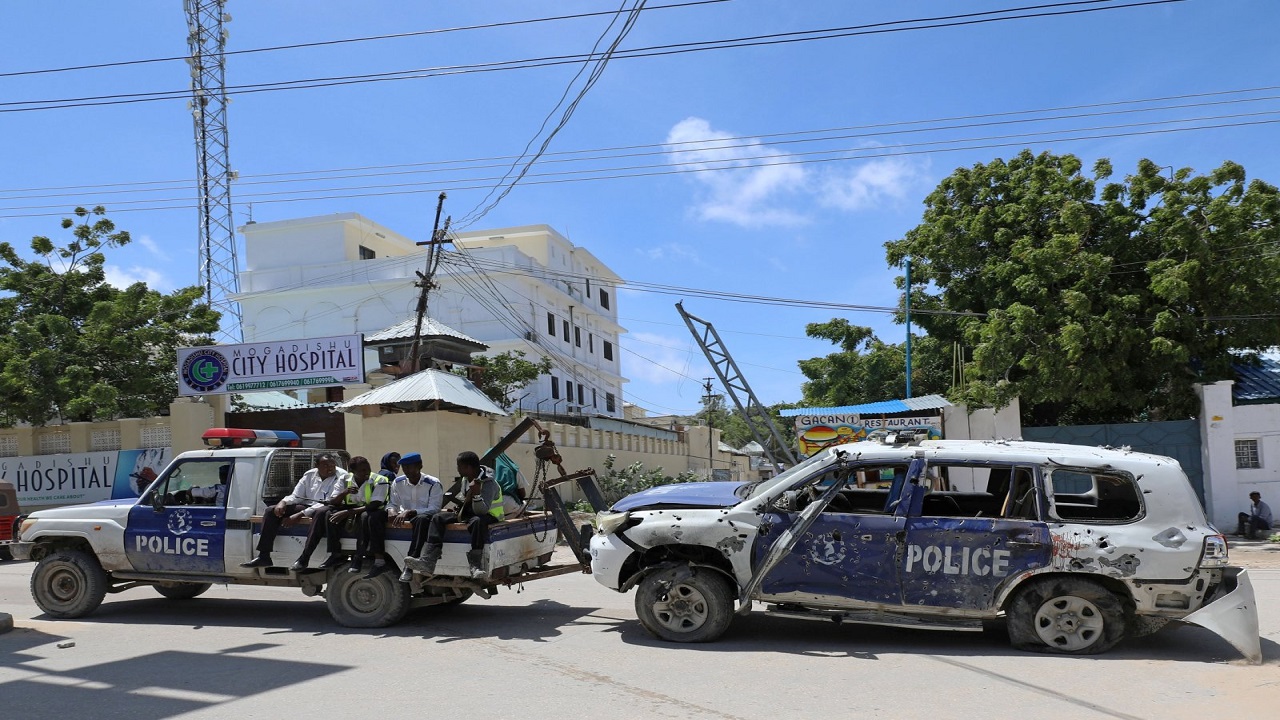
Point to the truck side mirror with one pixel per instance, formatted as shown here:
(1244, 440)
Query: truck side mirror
(157, 502)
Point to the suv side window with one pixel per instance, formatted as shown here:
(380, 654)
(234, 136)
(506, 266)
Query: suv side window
(194, 482)
(974, 491)
(1084, 496)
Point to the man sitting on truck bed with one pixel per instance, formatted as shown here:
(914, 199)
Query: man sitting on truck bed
(319, 489)
(415, 498)
(481, 506)
(370, 513)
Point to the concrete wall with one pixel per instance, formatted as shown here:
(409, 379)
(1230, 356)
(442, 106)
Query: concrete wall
(959, 423)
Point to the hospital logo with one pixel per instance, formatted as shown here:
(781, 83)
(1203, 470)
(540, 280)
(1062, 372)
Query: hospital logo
(205, 370)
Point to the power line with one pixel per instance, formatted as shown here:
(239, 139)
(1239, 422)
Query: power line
(325, 43)
(548, 61)
(671, 169)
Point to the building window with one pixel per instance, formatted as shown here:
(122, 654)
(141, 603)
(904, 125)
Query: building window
(593, 398)
(566, 331)
(608, 350)
(604, 300)
(577, 336)
(591, 343)
(551, 325)
(588, 287)
(1247, 455)
(580, 394)
(568, 390)
(367, 253)
(555, 388)
(608, 402)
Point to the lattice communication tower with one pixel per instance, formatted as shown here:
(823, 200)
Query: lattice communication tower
(219, 269)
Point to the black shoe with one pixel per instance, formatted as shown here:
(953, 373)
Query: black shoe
(332, 561)
(356, 566)
(299, 566)
(260, 561)
(378, 569)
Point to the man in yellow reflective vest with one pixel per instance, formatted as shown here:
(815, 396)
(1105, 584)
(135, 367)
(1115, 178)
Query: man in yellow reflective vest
(370, 513)
(481, 507)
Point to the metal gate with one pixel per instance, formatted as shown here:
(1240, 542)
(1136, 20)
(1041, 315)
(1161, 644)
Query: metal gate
(1179, 439)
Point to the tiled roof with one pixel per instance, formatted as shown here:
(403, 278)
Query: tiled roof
(1257, 383)
(883, 407)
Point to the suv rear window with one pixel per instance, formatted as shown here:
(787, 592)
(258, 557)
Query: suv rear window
(1083, 496)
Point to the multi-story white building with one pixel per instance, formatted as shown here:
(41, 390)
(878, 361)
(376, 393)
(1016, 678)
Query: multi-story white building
(523, 288)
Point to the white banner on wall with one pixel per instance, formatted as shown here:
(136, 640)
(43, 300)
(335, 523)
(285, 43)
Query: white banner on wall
(74, 478)
(318, 362)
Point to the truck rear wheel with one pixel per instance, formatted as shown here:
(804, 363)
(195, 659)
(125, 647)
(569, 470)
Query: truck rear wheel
(182, 591)
(68, 583)
(356, 602)
(684, 604)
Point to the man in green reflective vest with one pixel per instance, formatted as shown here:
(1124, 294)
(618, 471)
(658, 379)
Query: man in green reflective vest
(481, 507)
(370, 514)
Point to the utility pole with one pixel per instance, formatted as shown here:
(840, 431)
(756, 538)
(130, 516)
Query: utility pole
(425, 284)
(706, 407)
(219, 271)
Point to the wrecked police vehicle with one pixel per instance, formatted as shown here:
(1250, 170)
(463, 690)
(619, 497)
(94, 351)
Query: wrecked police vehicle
(1075, 547)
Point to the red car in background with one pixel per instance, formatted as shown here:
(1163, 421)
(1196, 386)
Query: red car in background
(8, 516)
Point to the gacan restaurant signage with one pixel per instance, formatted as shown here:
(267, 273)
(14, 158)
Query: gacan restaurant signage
(317, 362)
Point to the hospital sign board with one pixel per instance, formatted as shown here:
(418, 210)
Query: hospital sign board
(276, 365)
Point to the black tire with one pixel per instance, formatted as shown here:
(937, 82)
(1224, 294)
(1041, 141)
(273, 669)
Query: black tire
(359, 603)
(183, 591)
(1144, 625)
(5, 553)
(1067, 615)
(685, 604)
(68, 583)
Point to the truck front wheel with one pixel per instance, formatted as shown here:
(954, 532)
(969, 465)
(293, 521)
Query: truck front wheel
(685, 604)
(183, 591)
(68, 583)
(356, 602)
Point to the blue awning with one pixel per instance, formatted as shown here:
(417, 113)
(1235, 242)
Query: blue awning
(883, 407)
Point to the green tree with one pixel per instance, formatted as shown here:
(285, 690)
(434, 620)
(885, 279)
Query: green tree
(75, 348)
(867, 369)
(733, 427)
(1096, 300)
(507, 372)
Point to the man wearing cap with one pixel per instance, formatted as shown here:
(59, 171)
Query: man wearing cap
(319, 489)
(1258, 517)
(415, 498)
(481, 507)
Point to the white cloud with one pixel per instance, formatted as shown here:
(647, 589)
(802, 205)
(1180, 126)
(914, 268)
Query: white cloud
(662, 360)
(871, 184)
(123, 278)
(751, 197)
(154, 248)
(672, 252)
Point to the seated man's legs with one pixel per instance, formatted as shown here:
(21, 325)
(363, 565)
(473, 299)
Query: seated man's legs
(435, 544)
(320, 528)
(267, 539)
(421, 524)
(373, 537)
(478, 526)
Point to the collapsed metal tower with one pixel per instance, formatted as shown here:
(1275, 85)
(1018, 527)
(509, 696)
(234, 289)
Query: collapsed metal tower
(219, 268)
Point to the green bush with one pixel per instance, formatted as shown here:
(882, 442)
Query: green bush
(617, 483)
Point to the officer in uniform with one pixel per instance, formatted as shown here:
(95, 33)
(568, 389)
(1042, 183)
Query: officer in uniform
(317, 491)
(369, 510)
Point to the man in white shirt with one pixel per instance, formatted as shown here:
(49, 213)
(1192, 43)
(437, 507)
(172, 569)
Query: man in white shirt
(415, 499)
(1258, 518)
(318, 491)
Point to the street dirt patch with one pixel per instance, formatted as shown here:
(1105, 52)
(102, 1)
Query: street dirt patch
(1254, 554)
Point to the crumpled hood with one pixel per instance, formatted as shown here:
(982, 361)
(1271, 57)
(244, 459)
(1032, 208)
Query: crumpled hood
(695, 494)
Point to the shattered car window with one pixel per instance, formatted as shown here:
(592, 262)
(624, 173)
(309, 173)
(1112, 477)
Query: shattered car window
(1083, 496)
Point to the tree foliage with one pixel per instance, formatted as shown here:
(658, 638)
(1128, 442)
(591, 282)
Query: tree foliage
(733, 427)
(1097, 300)
(617, 483)
(867, 369)
(75, 348)
(507, 372)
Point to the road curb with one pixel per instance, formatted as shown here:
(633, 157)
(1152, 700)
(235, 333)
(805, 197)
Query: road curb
(6, 623)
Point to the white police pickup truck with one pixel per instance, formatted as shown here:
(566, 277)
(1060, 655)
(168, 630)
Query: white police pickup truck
(200, 519)
(1074, 547)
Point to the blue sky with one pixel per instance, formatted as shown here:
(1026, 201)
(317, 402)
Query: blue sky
(811, 231)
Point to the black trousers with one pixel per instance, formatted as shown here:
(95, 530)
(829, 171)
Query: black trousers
(477, 525)
(271, 527)
(421, 525)
(371, 533)
(322, 528)
(1250, 525)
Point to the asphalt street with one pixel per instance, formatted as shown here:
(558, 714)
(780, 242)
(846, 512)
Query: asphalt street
(566, 647)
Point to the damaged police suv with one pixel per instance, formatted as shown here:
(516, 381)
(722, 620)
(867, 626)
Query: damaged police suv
(1075, 547)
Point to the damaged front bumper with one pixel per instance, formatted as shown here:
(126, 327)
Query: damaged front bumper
(1232, 613)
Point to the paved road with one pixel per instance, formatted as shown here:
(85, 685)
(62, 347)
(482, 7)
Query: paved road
(566, 647)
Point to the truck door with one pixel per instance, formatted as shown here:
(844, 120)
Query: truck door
(179, 524)
(962, 545)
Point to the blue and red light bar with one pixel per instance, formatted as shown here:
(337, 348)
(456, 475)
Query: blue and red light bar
(241, 437)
